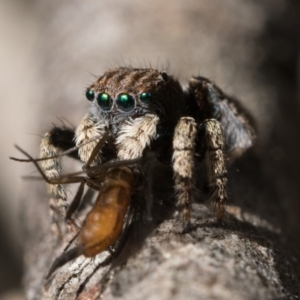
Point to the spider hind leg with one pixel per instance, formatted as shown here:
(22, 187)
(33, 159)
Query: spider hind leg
(210, 102)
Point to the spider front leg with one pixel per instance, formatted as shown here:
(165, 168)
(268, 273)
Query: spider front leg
(52, 143)
(183, 166)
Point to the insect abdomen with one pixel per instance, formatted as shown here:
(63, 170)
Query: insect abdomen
(104, 223)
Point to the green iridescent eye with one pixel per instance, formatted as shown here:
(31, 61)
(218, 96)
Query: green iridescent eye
(90, 95)
(104, 101)
(145, 97)
(125, 102)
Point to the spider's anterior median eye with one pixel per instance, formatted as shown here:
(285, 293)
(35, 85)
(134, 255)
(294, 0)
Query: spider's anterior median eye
(90, 95)
(104, 101)
(145, 97)
(125, 102)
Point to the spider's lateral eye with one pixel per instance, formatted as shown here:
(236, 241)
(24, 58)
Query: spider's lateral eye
(90, 95)
(125, 102)
(145, 97)
(104, 101)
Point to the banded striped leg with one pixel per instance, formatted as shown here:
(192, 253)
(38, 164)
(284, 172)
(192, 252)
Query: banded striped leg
(135, 135)
(217, 173)
(50, 146)
(183, 166)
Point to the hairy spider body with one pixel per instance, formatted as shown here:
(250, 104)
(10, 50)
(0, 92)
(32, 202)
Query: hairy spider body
(143, 110)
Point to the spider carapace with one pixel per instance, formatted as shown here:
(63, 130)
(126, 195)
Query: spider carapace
(140, 111)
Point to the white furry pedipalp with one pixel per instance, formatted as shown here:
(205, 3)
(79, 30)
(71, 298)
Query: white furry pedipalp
(89, 128)
(135, 135)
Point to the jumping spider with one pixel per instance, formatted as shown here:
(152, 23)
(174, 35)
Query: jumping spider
(137, 111)
(142, 110)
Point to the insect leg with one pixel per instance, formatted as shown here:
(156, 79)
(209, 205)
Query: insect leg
(75, 203)
(217, 173)
(64, 258)
(78, 197)
(88, 129)
(183, 166)
(60, 181)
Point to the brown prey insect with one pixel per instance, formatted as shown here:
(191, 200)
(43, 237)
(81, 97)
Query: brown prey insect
(103, 225)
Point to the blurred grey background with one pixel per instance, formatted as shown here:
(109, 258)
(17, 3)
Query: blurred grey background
(51, 50)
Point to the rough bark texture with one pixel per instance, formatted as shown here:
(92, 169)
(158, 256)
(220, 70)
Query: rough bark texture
(234, 43)
(244, 258)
